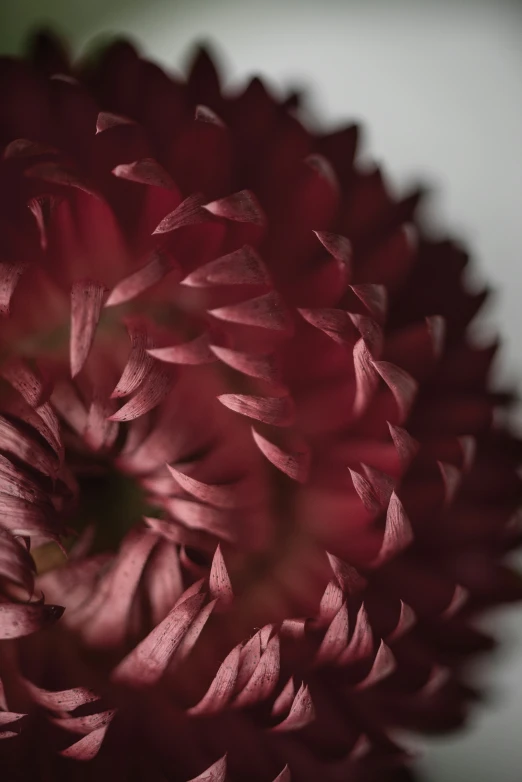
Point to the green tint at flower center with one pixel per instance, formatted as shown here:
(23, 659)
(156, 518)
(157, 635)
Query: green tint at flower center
(112, 503)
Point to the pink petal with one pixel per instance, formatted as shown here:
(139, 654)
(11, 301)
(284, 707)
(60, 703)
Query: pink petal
(451, 477)
(381, 484)
(23, 147)
(402, 385)
(204, 114)
(87, 747)
(361, 643)
(294, 463)
(26, 381)
(335, 639)
(407, 620)
(19, 619)
(219, 580)
(366, 377)
(266, 312)
(241, 267)
(264, 678)
(189, 212)
(365, 492)
(331, 602)
(159, 265)
(348, 578)
(242, 207)
(221, 688)
(261, 366)
(7, 717)
(146, 171)
(406, 446)
(221, 495)
(85, 724)
(301, 713)
(334, 323)
(284, 776)
(283, 702)
(383, 665)
(153, 390)
(139, 363)
(61, 700)
(191, 636)
(277, 411)
(338, 246)
(42, 208)
(459, 599)
(86, 304)
(106, 120)
(398, 533)
(215, 773)
(10, 273)
(250, 656)
(195, 352)
(147, 662)
(201, 518)
(374, 298)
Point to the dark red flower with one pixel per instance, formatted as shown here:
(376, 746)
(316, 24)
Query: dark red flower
(243, 435)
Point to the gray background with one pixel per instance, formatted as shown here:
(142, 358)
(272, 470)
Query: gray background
(438, 85)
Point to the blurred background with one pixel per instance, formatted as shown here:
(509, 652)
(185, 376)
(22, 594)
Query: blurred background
(437, 84)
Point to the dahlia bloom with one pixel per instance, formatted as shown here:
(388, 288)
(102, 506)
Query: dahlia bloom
(254, 486)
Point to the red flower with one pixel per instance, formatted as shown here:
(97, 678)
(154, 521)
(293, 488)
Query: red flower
(237, 391)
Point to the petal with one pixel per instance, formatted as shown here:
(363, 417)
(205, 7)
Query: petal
(215, 773)
(242, 207)
(277, 411)
(146, 171)
(264, 678)
(241, 267)
(147, 662)
(301, 712)
(86, 304)
(295, 462)
(221, 688)
(159, 265)
(219, 580)
(192, 353)
(153, 390)
(265, 312)
(17, 619)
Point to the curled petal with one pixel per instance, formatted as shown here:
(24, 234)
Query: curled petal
(264, 678)
(451, 477)
(219, 580)
(204, 114)
(334, 323)
(374, 298)
(295, 463)
(138, 364)
(381, 484)
(221, 495)
(361, 642)
(58, 174)
(383, 665)
(402, 385)
(366, 493)
(147, 662)
(221, 688)
(335, 639)
(195, 352)
(407, 619)
(153, 390)
(217, 772)
(10, 273)
(261, 366)
(398, 533)
(85, 724)
(241, 207)
(301, 712)
(348, 578)
(366, 377)
(61, 700)
(107, 120)
(86, 304)
(87, 747)
(338, 246)
(406, 446)
(146, 171)
(241, 267)
(189, 212)
(17, 620)
(331, 602)
(278, 411)
(266, 312)
(160, 264)
(283, 702)
(284, 776)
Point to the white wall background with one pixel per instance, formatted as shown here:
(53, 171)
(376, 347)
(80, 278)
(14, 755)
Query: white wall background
(438, 85)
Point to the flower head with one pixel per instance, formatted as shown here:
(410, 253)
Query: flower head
(243, 435)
